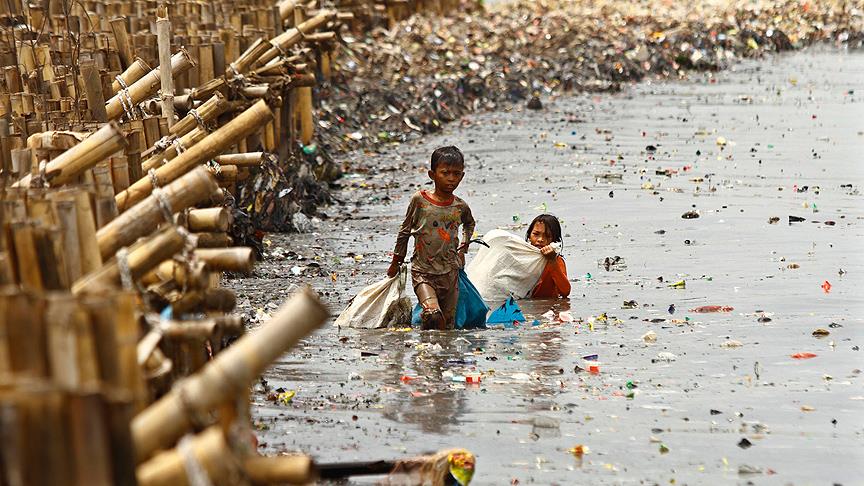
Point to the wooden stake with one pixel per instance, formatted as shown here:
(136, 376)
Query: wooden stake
(93, 91)
(304, 106)
(163, 34)
(121, 37)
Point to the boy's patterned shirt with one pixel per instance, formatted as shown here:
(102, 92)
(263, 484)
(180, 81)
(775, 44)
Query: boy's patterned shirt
(435, 228)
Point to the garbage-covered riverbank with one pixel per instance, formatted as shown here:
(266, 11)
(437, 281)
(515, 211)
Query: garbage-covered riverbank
(684, 395)
(395, 85)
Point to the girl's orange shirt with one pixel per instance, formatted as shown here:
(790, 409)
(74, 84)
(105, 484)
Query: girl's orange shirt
(553, 282)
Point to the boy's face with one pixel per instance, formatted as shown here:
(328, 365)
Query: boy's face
(447, 177)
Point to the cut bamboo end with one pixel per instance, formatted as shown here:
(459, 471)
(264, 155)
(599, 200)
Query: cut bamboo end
(248, 159)
(209, 450)
(213, 240)
(237, 259)
(295, 469)
(209, 220)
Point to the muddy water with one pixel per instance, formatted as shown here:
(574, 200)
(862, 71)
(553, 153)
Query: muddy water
(793, 128)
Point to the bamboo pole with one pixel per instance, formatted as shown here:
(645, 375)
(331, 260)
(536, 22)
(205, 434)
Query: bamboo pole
(209, 110)
(241, 126)
(121, 36)
(147, 85)
(225, 174)
(119, 173)
(209, 300)
(133, 73)
(213, 240)
(248, 159)
(141, 219)
(209, 219)
(92, 150)
(209, 449)
(294, 469)
(163, 35)
(142, 257)
(87, 247)
(292, 37)
(67, 215)
(227, 375)
(236, 259)
(93, 90)
(161, 158)
(202, 329)
(286, 9)
(304, 106)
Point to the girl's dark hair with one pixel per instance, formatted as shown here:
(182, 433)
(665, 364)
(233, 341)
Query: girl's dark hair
(553, 226)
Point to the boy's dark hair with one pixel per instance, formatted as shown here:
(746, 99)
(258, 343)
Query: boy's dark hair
(449, 155)
(553, 226)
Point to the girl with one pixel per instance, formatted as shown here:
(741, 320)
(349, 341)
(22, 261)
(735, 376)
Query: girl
(553, 283)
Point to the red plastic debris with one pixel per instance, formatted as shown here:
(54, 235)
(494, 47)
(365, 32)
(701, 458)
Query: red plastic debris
(826, 286)
(803, 355)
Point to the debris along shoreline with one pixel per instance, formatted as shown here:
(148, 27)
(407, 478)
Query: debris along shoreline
(394, 85)
(678, 388)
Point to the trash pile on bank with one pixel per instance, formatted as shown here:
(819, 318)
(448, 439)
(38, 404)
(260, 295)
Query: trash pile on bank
(395, 85)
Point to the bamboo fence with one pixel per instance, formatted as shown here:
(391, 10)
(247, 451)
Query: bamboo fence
(115, 228)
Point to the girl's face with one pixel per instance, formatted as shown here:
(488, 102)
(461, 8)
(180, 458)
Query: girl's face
(540, 236)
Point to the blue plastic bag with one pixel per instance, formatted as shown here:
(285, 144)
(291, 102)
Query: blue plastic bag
(470, 308)
(507, 314)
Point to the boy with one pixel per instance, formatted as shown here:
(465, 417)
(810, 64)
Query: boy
(433, 219)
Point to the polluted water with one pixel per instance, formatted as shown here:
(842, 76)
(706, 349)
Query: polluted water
(697, 350)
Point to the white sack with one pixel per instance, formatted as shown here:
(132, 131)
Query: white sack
(510, 265)
(382, 304)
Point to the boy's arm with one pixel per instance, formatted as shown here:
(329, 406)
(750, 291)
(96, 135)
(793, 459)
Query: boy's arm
(404, 234)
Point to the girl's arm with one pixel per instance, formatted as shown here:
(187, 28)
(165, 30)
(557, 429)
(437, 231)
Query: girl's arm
(468, 225)
(559, 276)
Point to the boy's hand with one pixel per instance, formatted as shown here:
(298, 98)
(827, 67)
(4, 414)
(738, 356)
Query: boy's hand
(393, 270)
(549, 252)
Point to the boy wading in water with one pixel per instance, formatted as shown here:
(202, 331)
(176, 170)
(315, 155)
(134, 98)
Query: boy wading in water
(433, 219)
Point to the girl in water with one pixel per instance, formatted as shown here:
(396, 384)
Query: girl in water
(544, 230)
